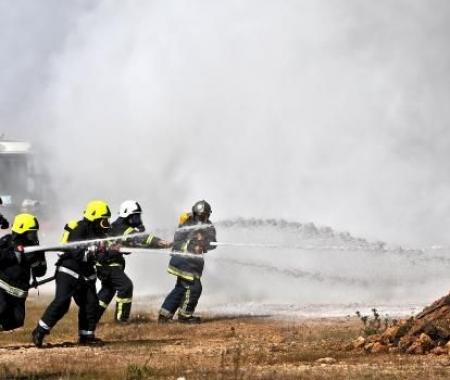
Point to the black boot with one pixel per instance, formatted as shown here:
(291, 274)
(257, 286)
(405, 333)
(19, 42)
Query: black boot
(122, 312)
(191, 319)
(164, 319)
(38, 335)
(90, 340)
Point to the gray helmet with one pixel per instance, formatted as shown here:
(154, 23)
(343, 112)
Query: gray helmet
(201, 208)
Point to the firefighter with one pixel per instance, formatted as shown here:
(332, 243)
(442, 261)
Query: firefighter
(193, 236)
(110, 268)
(16, 267)
(4, 224)
(75, 275)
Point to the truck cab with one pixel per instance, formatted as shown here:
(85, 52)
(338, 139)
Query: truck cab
(23, 185)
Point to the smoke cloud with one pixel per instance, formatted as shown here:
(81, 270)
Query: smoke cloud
(310, 110)
(323, 111)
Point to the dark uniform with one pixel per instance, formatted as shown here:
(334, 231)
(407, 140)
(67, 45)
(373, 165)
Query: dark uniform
(110, 269)
(75, 277)
(194, 236)
(16, 267)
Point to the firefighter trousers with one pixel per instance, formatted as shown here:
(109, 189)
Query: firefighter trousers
(184, 297)
(114, 280)
(85, 296)
(12, 311)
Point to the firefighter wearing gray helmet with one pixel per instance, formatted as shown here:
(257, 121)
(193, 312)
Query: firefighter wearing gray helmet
(194, 236)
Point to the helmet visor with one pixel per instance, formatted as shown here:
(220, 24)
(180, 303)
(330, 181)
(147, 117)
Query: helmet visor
(31, 237)
(203, 217)
(135, 220)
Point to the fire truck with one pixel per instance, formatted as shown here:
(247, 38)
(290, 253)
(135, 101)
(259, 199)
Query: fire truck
(24, 185)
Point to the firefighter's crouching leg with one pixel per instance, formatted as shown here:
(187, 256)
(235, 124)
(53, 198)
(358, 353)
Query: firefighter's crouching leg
(65, 289)
(172, 301)
(106, 293)
(124, 297)
(191, 297)
(87, 301)
(66, 286)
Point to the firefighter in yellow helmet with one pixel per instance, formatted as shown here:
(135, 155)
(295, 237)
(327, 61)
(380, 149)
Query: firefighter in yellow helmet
(75, 274)
(16, 267)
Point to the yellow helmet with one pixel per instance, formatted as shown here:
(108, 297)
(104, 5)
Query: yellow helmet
(96, 210)
(24, 223)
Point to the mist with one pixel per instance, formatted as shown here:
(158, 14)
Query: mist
(311, 111)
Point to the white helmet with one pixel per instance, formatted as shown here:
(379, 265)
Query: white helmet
(129, 207)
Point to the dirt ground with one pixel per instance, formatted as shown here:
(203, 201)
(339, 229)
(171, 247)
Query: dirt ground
(220, 348)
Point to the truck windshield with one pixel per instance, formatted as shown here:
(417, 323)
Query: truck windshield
(14, 176)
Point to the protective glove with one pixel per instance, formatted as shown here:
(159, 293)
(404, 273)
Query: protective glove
(198, 249)
(91, 253)
(165, 244)
(140, 228)
(197, 244)
(19, 251)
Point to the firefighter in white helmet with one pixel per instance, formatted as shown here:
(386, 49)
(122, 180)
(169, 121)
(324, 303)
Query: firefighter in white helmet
(111, 268)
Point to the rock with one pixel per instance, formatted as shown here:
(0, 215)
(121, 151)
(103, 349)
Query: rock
(405, 342)
(440, 350)
(368, 347)
(394, 350)
(390, 335)
(379, 348)
(348, 347)
(429, 331)
(373, 338)
(327, 360)
(359, 343)
(426, 342)
(394, 333)
(415, 348)
(434, 329)
(421, 345)
(445, 362)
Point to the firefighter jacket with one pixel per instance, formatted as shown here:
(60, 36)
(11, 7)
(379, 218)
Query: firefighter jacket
(184, 241)
(16, 268)
(122, 229)
(76, 259)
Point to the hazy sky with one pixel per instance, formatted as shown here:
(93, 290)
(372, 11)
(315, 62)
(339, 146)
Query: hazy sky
(324, 111)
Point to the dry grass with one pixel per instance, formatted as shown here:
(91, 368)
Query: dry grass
(220, 348)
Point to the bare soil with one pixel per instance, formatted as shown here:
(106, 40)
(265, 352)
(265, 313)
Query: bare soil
(222, 347)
